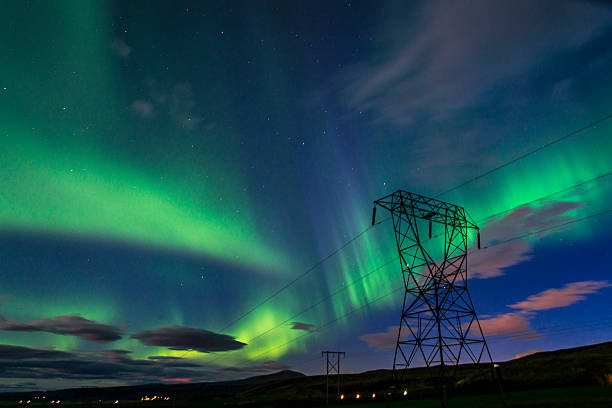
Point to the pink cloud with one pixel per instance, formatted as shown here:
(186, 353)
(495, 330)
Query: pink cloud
(517, 323)
(525, 219)
(491, 263)
(514, 323)
(382, 341)
(560, 297)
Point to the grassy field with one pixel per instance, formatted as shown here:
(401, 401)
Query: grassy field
(570, 397)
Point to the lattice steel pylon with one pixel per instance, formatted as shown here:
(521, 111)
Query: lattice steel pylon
(438, 322)
(332, 367)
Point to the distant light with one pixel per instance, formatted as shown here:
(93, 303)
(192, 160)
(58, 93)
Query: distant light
(373, 395)
(341, 396)
(357, 396)
(57, 402)
(28, 401)
(495, 365)
(116, 402)
(405, 392)
(20, 402)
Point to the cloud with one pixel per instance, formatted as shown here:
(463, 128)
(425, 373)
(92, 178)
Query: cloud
(269, 365)
(492, 262)
(517, 323)
(18, 362)
(72, 325)
(169, 361)
(560, 297)
(526, 353)
(177, 102)
(438, 57)
(527, 219)
(32, 366)
(181, 106)
(8, 352)
(311, 328)
(508, 324)
(188, 338)
(382, 341)
(121, 48)
(450, 83)
(144, 109)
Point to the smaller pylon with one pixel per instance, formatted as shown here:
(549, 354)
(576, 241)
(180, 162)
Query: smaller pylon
(332, 366)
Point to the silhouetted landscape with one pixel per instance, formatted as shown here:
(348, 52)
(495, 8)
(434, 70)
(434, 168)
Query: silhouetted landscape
(589, 366)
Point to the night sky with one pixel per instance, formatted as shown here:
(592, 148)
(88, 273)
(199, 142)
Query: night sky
(166, 168)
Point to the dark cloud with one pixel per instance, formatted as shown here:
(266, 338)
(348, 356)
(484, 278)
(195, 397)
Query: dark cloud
(8, 352)
(71, 325)
(311, 328)
(188, 338)
(30, 363)
(21, 365)
(167, 361)
(269, 365)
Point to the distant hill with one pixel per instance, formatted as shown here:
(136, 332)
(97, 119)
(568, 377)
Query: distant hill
(588, 365)
(205, 389)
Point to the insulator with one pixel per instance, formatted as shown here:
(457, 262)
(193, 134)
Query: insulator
(374, 215)
(478, 239)
(429, 229)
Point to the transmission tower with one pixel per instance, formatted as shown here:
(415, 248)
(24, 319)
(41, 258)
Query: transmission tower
(332, 366)
(438, 322)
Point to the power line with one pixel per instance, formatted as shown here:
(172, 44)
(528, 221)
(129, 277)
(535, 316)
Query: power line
(545, 331)
(293, 281)
(346, 243)
(329, 323)
(529, 153)
(402, 287)
(550, 195)
(323, 300)
(362, 277)
(575, 220)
